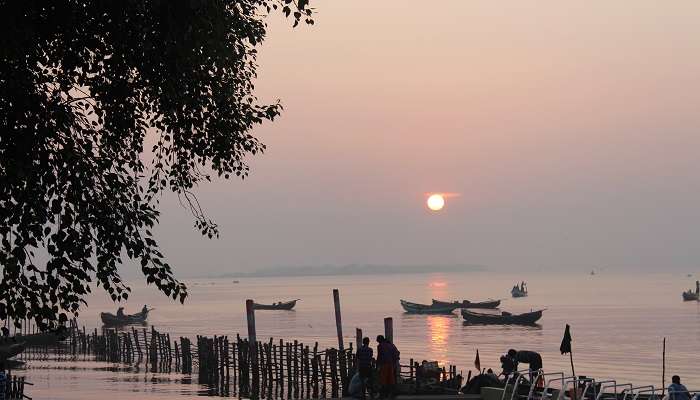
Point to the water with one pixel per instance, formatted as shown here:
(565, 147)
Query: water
(618, 323)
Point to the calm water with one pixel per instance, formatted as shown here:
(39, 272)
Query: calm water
(618, 323)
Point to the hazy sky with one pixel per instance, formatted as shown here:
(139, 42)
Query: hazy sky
(570, 131)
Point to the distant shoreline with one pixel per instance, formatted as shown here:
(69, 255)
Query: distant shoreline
(345, 270)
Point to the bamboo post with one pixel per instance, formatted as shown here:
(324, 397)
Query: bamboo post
(338, 320)
(290, 374)
(307, 371)
(334, 372)
(315, 366)
(358, 337)
(389, 329)
(281, 368)
(252, 342)
(295, 365)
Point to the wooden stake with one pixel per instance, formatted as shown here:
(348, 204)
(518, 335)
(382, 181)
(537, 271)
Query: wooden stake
(252, 343)
(338, 320)
(389, 329)
(358, 337)
(663, 369)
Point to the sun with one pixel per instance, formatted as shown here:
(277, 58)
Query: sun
(436, 202)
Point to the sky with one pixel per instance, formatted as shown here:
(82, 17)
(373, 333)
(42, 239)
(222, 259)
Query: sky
(569, 131)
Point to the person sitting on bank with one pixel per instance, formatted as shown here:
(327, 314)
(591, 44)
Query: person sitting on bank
(676, 390)
(364, 367)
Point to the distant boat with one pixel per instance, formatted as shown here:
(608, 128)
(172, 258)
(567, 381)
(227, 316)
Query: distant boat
(689, 295)
(519, 290)
(110, 319)
(468, 304)
(236, 282)
(287, 305)
(503, 318)
(592, 272)
(416, 308)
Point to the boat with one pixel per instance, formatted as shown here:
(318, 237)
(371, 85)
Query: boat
(286, 305)
(519, 290)
(130, 319)
(43, 338)
(468, 304)
(504, 318)
(9, 350)
(415, 308)
(689, 295)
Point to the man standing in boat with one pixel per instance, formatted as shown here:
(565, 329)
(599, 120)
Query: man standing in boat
(120, 312)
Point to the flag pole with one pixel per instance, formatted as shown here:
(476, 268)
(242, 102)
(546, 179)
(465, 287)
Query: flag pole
(663, 369)
(566, 348)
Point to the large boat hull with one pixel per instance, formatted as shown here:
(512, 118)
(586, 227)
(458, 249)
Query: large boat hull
(502, 319)
(415, 308)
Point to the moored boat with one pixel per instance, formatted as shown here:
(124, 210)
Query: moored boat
(43, 338)
(9, 350)
(282, 305)
(416, 308)
(689, 295)
(503, 318)
(519, 290)
(110, 319)
(469, 304)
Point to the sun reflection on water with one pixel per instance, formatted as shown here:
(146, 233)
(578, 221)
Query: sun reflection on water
(439, 331)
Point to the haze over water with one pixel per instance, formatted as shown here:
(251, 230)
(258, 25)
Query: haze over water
(618, 323)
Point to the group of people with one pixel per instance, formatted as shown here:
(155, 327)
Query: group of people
(387, 367)
(511, 360)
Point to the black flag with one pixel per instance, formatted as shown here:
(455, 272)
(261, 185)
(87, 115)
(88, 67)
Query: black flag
(566, 341)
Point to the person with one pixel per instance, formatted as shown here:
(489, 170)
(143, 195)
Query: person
(491, 374)
(355, 389)
(387, 359)
(144, 310)
(508, 365)
(532, 358)
(676, 390)
(3, 380)
(364, 366)
(120, 312)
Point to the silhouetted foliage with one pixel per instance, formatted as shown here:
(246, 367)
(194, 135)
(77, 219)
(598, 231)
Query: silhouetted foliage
(104, 106)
